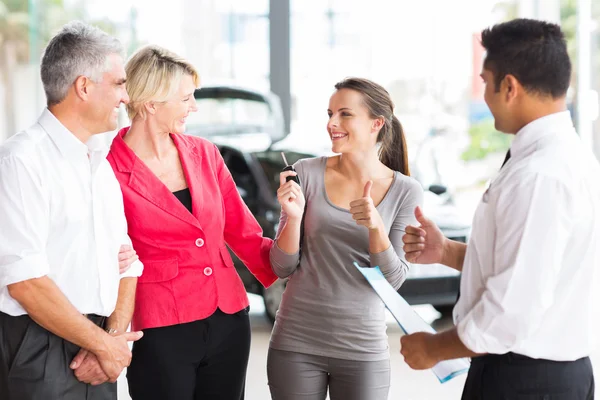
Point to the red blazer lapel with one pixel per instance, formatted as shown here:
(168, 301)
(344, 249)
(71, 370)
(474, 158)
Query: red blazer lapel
(191, 162)
(143, 181)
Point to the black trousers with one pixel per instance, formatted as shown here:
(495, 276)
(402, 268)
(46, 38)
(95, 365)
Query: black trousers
(516, 377)
(200, 360)
(34, 364)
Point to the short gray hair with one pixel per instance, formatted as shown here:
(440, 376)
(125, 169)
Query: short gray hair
(77, 50)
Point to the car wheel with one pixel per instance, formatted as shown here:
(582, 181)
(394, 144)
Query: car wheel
(272, 298)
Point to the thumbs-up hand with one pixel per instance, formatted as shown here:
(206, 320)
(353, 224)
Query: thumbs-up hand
(423, 244)
(363, 210)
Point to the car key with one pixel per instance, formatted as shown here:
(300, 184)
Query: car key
(288, 167)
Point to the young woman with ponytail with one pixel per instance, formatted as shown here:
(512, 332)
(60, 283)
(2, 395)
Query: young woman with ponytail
(330, 330)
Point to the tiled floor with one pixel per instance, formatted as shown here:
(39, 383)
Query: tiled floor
(406, 383)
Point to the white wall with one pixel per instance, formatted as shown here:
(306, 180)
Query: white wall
(29, 100)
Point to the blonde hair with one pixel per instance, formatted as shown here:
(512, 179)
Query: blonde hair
(153, 74)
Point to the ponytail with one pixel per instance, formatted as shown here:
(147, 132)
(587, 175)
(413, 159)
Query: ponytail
(393, 153)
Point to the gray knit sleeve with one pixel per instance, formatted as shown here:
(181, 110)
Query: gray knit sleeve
(392, 261)
(282, 263)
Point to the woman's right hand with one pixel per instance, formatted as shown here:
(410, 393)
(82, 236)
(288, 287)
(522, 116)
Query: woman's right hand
(290, 196)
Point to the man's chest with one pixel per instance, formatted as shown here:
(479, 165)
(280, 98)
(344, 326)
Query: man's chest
(480, 249)
(82, 199)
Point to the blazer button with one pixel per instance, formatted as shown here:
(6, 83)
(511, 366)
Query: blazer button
(199, 242)
(208, 271)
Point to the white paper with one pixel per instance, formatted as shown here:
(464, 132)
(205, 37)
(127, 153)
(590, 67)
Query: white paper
(410, 321)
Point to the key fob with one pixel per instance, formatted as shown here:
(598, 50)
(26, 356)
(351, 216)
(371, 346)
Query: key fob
(291, 178)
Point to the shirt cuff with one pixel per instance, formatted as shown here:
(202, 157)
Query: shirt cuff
(475, 340)
(135, 270)
(281, 257)
(385, 259)
(30, 267)
(282, 263)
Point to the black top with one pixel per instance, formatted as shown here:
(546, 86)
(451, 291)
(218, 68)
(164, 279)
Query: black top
(185, 197)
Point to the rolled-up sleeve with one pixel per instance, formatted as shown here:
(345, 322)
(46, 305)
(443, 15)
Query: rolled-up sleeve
(136, 268)
(282, 263)
(24, 218)
(533, 220)
(392, 261)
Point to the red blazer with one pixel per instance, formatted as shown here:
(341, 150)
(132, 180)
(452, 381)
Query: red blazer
(188, 271)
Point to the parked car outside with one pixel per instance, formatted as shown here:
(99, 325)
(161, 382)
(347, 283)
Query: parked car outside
(247, 127)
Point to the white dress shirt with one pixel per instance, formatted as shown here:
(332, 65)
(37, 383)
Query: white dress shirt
(530, 279)
(61, 216)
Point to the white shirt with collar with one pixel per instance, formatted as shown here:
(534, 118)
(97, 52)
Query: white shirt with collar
(61, 216)
(531, 276)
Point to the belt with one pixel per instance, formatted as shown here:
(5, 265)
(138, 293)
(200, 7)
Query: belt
(96, 319)
(513, 358)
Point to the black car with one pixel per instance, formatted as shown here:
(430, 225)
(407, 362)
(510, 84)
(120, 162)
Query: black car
(246, 126)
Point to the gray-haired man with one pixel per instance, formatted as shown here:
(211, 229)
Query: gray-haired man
(64, 306)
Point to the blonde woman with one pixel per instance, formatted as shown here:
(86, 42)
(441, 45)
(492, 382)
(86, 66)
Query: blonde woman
(182, 208)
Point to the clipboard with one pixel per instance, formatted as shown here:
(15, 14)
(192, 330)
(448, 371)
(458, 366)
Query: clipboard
(410, 321)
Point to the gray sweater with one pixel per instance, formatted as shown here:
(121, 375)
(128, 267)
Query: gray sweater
(328, 308)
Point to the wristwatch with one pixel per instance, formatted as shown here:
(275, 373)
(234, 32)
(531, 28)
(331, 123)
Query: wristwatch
(110, 331)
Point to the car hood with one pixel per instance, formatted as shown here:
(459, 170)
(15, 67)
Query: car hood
(246, 142)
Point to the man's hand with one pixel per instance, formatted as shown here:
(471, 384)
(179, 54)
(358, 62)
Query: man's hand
(116, 355)
(424, 244)
(87, 369)
(417, 351)
(127, 256)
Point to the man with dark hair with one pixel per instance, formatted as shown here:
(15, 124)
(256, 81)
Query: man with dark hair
(534, 52)
(530, 273)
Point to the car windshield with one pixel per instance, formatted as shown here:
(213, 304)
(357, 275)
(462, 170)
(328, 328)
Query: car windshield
(227, 115)
(272, 164)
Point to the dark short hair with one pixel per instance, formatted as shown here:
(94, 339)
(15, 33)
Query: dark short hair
(534, 52)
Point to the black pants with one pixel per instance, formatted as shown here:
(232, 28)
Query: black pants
(516, 377)
(34, 365)
(200, 360)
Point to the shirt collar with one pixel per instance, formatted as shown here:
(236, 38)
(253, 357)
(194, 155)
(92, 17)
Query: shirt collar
(99, 144)
(67, 143)
(542, 127)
